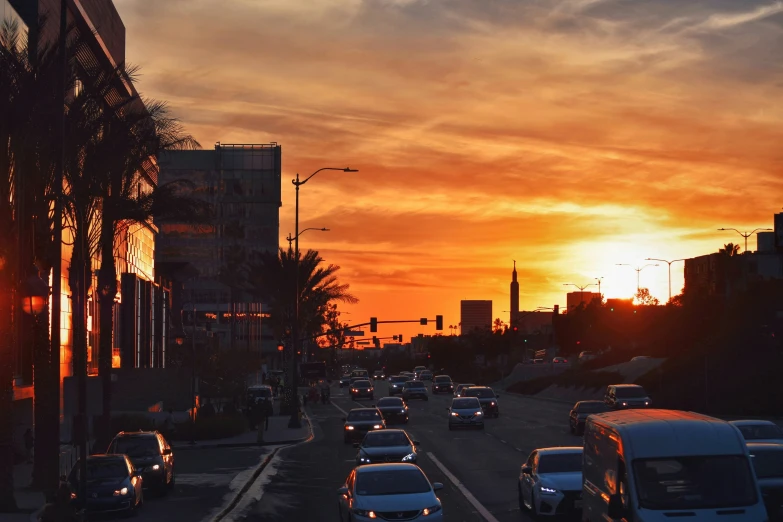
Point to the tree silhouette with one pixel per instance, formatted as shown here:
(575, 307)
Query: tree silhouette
(729, 249)
(644, 298)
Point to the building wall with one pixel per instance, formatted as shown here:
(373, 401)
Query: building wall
(574, 299)
(475, 315)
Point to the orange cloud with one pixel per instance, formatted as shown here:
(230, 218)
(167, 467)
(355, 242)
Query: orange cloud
(569, 135)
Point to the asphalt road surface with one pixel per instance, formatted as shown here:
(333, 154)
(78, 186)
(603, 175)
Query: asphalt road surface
(478, 469)
(205, 480)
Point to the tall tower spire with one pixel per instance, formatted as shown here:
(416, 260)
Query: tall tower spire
(514, 310)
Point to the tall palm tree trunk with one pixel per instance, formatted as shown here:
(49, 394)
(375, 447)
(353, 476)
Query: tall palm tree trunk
(7, 499)
(107, 285)
(79, 281)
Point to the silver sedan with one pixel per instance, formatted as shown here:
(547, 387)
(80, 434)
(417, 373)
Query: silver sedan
(466, 412)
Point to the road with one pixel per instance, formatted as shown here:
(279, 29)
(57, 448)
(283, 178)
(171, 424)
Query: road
(486, 464)
(205, 480)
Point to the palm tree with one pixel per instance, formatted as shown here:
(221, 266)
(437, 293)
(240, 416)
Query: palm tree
(729, 249)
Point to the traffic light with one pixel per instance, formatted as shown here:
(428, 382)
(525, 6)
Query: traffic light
(439, 322)
(373, 324)
(423, 321)
(429, 355)
(376, 342)
(399, 338)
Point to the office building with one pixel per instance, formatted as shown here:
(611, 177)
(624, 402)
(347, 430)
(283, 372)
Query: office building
(242, 183)
(475, 315)
(574, 299)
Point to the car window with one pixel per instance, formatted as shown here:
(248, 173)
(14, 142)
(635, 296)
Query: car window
(362, 384)
(363, 415)
(465, 403)
(590, 407)
(414, 384)
(104, 468)
(390, 401)
(137, 446)
(481, 393)
(560, 463)
(376, 439)
(392, 482)
(761, 431)
(635, 392)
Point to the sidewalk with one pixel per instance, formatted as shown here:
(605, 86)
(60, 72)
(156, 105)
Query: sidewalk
(28, 500)
(277, 433)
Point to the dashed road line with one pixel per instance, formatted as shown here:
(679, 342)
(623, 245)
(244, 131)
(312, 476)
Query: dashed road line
(484, 512)
(503, 441)
(519, 450)
(340, 409)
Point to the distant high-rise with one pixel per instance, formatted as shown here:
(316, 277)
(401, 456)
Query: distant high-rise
(514, 310)
(475, 315)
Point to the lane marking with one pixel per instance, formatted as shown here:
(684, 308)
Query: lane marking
(484, 512)
(503, 441)
(339, 408)
(519, 450)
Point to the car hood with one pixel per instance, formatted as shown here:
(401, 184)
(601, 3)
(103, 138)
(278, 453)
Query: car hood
(465, 411)
(391, 409)
(486, 400)
(144, 461)
(396, 503)
(563, 481)
(105, 483)
(364, 424)
(381, 451)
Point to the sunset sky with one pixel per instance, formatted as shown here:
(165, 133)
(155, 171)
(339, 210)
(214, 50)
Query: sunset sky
(568, 135)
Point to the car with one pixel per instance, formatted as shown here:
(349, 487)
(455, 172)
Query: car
(393, 409)
(559, 360)
(386, 446)
(487, 397)
(418, 369)
(150, 454)
(759, 430)
(389, 492)
(378, 374)
(425, 375)
(550, 481)
(259, 392)
(767, 460)
(586, 356)
(361, 374)
(442, 383)
(411, 376)
(460, 387)
(465, 412)
(580, 412)
(360, 421)
(396, 383)
(345, 380)
(625, 396)
(362, 388)
(114, 485)
(414, 390)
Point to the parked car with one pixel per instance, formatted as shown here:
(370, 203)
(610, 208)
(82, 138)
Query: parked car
(465, 412)
(550, 482)
(360, 421)
(150, 454)
(759, 431)
(114, 485)
(386, 446)
(580, 412)
(625, 396)
(390, 492)
(642, 464)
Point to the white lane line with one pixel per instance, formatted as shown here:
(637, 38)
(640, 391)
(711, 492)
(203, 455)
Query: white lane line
(339, 408)
(484, 512)
(503, 441)
(488, 434)
(519, 450)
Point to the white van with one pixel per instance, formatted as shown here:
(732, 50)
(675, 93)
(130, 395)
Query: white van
(658, 465)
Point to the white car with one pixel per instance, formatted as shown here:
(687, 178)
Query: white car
(550, 482)
(759, 431)
(389, 492)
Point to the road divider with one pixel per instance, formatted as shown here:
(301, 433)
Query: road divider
(484, 512)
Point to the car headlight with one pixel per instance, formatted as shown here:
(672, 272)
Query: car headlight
(364, 513)
(121, 492)
(376, 427)
(492, 403)
(364, 459)
(548, 491)
(349, 427)
(478, 413)
(155, 467)
(454, 414)
(410, 457)
(625, 404)
(430, 510)
(402, 411)
(646, 403)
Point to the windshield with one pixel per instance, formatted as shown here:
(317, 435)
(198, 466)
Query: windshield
(361, 373)
(399, 378)
(414, 384)
(463, 404)
(443, 378)
(137, 446)
(481, 393)
(630, 393)
(590, 407)
(704, 482)
(761, 431)
(361, 384)
(389, 402)
(391, 482)
(560, 463)
(364, 415)
(768, 463)
(376, 439)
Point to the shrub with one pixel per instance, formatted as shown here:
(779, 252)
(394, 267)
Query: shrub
(220, 426)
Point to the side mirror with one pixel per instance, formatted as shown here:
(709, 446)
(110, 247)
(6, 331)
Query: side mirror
(437, 486)
(356, 444)
(526, 470)
(416, 443)
(342, 491)
(615, 509)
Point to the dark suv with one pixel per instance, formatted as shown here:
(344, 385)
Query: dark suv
(487, 398)
(442, 383)
(150, 454)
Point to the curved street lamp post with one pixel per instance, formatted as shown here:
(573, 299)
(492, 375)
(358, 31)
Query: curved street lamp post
(670, 270)
(638, 272)
(746, 235)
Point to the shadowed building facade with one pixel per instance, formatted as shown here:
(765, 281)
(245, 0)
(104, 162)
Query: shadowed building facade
(475, 315)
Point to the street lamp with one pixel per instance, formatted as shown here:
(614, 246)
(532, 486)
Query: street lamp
(581, 290)
(35, 294)
(290, 239)
(638, 272)
(294, 422)
(746, 235)
(600, 295)
(670, 270)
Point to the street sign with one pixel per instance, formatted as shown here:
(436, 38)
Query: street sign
(354, 333)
